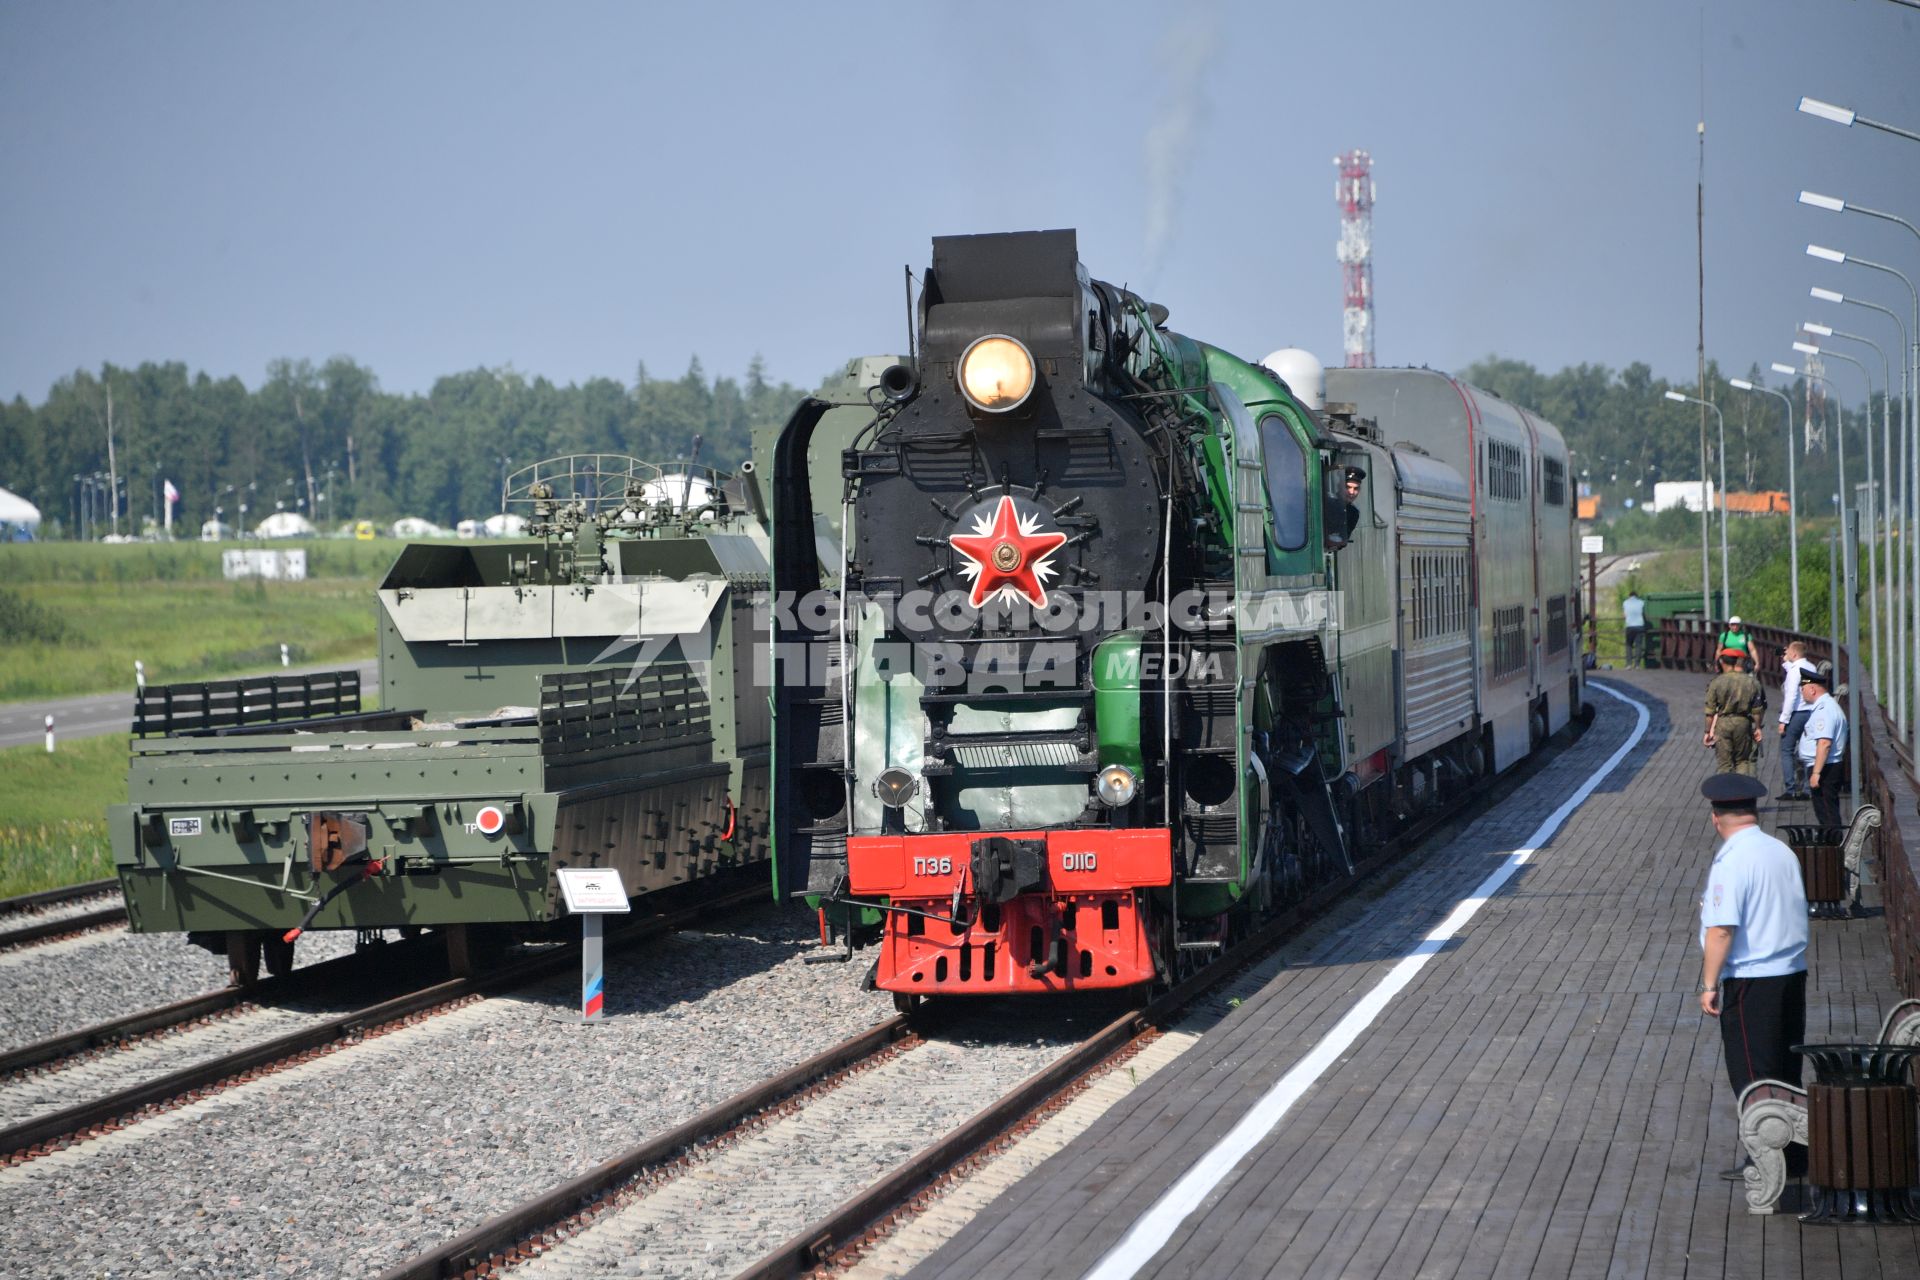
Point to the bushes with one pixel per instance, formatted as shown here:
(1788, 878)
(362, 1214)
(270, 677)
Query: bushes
(24, 622)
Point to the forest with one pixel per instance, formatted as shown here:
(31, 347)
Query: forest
(327, 440)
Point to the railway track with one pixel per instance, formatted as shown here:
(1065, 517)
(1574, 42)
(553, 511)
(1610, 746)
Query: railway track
(27, 920)
(632, 1194)
(33, 1136)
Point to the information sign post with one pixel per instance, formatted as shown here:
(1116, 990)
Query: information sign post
(593, 893)
(1594, 545)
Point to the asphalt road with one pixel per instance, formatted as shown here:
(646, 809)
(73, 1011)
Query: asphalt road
(24, 722)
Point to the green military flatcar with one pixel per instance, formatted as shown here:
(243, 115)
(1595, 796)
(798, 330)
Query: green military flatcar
(579, 697)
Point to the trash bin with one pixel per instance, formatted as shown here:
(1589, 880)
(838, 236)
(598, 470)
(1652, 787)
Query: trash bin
(1823, 871)
(1863, 1134)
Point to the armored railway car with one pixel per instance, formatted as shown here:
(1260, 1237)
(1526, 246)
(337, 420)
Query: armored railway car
(578, 698)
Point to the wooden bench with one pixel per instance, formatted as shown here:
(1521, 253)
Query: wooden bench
(1773, 1113)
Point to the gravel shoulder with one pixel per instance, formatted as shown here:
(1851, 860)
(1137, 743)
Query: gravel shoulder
(351, 1163)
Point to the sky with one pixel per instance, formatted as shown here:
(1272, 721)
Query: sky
(574, 189)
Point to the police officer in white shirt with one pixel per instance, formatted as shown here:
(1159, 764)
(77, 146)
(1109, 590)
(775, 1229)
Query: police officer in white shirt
(1793, 719)
(1753, 937)
(1823, 747)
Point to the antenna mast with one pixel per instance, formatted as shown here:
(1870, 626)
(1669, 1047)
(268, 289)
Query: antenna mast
(1353, 192)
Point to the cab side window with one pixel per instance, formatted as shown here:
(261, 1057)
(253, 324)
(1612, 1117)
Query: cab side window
(1287, 496)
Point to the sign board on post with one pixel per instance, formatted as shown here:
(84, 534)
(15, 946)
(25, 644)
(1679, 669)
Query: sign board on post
(590, 893)
(1593, 544)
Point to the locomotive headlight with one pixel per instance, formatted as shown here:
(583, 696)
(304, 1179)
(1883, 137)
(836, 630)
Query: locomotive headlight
(895, 787)
(1116, 785)
(996, 373)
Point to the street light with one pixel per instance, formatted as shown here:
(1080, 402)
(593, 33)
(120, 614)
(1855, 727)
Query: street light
(1905, 470)
(1793, 492)
(1896, 644)
(1834, 204)
(1912, 433)
(1848, 116)
(1726, 609)
(1873, 602)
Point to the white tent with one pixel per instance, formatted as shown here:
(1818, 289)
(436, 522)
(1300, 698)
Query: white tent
(505, 525)
(284, 524)
(415, 527)
(17, 513)
(214, 530)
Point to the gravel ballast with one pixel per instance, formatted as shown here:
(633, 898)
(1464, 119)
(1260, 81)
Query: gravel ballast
(359, 1159)
(63, 986)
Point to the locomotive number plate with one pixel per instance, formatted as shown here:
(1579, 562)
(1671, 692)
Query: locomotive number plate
(933, 866)
(1088, 861)
(183, 826)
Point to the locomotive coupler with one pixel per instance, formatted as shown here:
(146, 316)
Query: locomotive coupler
(1004, 868)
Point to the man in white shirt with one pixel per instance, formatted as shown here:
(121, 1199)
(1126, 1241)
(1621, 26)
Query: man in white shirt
(1634, 610)
(1793, 718)
(1823, 747)
(1753, 940)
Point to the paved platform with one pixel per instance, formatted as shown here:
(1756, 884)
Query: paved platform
(1542, 1098)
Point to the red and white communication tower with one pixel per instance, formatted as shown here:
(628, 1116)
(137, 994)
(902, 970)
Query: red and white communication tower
(1354, 192)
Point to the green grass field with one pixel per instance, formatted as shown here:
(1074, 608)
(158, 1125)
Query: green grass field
(53, 828)
(75, 618)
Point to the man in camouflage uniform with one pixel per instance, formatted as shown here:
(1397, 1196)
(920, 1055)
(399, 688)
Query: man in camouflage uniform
(1732, 730)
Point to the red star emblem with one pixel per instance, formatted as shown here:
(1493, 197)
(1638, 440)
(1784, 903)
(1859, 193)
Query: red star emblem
(1007, 555)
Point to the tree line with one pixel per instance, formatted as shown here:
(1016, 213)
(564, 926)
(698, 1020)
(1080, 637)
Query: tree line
(1626, 435)
(326, 441)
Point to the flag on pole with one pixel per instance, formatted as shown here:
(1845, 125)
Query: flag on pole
(173, 494)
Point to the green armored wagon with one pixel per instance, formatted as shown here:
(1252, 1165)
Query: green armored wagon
(579, 698)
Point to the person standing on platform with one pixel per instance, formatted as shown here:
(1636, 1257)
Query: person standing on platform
(1736, 638)
(1793, 718)
(1753, 939)
(1823, 746)
(1634, 610)
(1731, 730)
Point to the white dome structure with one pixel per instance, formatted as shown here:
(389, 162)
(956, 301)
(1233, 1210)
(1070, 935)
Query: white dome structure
(505, 525)
(416, 527)
(678, 490)
(284, 524)
(1303, 373)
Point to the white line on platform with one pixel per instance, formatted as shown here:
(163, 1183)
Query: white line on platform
(1155, 1227)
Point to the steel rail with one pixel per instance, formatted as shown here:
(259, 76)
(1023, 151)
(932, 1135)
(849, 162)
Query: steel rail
(505, 1240)
(53, 897)
(521, 1233)
(117, 1032)
(48, 930)
(36, 1137)
(846, 1227)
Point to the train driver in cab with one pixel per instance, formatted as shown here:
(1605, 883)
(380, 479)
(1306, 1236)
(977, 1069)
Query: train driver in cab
(1355, 478)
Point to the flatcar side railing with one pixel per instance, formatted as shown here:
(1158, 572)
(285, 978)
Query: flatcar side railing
(209, 706)
(1886, 773)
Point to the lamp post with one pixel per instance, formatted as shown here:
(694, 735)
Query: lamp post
(1883, 503)
(1901, 580)
(1680, 398)
(1793, 492)
(1913, 437)
(1873, 603)
(1849, 117)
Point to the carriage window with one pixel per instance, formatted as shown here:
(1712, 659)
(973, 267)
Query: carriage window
(1286, 482)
